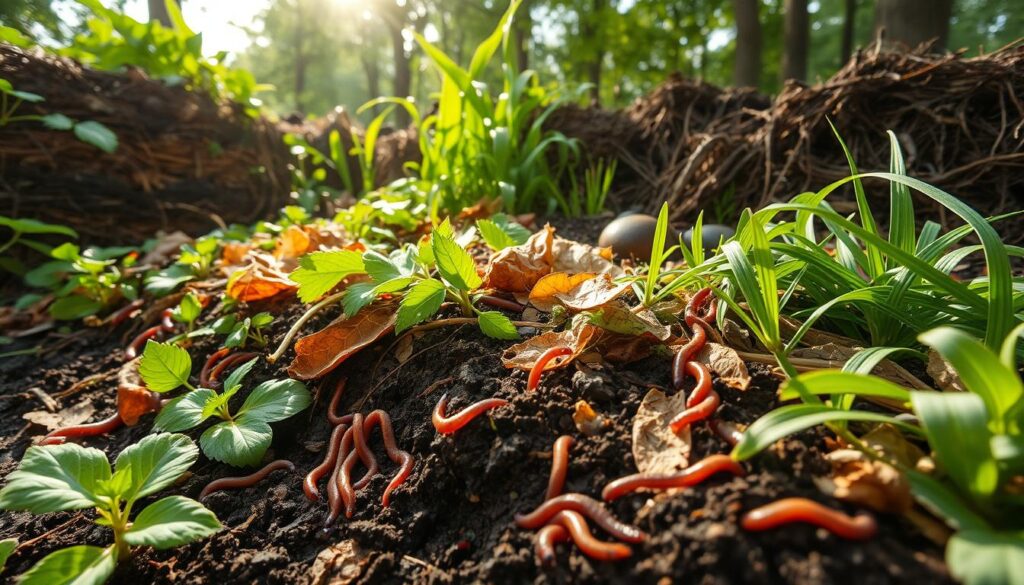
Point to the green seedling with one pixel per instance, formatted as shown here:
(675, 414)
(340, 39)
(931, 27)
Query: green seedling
(85, 282)
(194, 262)
(240, 333)
(89, 131)
(72, 477)
(501, 231)
(20, 228)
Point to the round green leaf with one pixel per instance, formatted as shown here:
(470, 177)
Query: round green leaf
(170, 522)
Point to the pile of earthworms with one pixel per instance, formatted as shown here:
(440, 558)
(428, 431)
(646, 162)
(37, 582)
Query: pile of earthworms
(347, 446)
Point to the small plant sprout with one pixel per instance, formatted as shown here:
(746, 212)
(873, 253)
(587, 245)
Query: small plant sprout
(72, 477)
(187, 311)
(243, 436)
(501, 231)
(239, 333)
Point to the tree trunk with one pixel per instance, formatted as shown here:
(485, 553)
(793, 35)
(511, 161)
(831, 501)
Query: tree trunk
(797, 37)
(912, 22)
(158, 12)
(747, 72)
(849, 24)
(590, 29)
(523, 35)
(403, 75)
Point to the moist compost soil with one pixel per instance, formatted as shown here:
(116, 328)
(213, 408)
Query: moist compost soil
(452, 521)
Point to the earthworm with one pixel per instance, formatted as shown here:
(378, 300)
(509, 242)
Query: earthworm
(596, 549)
(136, 345)
(559, 466)
(542, 362)
(345, 465)
(585, 505)
(501, 303)
(227, 483)
(545, 541)
(685, 354)
(167, 320)
(61, 436)
(332, 407)
(363, 451)
(204, 374)
(226, 363)
(121, 315)
(447, 425)
(726, 430)
(690, 476)
(333, 483)
(787, 510)
(329, 463)
(698, 412)
(402, 458)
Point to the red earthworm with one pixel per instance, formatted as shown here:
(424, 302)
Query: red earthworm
(346, 463)
(585, 505)
(136, 345)
(545, 541)
(692, 475)
(788, 510)
(104, 426)
(598, 550)
(696, 413)
(726, 430)
(332, 408)
(226, 363)
(501, 303)
(204, 374)
(559, 466)
(227, 483)
(363, 451)
(542, 362)
(167, 320)
(447, 425)
(333, 483)
(684, 356)
(329, 463)
(121, 315)
(402, 458)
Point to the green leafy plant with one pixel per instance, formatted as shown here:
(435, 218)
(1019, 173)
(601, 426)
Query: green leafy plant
(88, 131)
(243, 435)
(20, 228)
(7, 547)
(72, 477)
(239, 333)
(194, 262)
(85, 282)
(589, 199)
(501, 231)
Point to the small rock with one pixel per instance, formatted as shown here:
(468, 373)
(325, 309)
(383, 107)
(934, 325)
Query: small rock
(711, 234)
(592, 385)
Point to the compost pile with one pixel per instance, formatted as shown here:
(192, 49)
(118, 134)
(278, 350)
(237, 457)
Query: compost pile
(959, 120)
(182, 158)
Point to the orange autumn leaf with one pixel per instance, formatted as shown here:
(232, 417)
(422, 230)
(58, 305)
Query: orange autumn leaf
(321, 352)
(258, 282)
(485, 207)
(593, 293)
(525, 354)
(233, 253)
(518, 268)
(544, 293)
(294, 242)
(134, 399)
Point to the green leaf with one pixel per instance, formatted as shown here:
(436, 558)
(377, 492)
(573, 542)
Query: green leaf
(7, 546)
(454, 263)
(957, 427)
(189, 308)
(274, 400)
(218, 400)
(57, 122)
(944, 501)
(164, 366)
(380, 267)
(657, 254)
(497, 325)
(156, 462)
(183, 413)
(239, 373)
(786, 420)
(170, 522)
(74, 307)
(984, 557)
(55, 478)
(163, 282)
(319, 272)
(76, 565)
(237, 444)
(32, 226)
(97, 135)
(357, 296)
(824, 382)
(420, 303)
(495, 237)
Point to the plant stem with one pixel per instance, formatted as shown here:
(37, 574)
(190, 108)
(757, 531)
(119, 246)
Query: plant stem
(287, 341)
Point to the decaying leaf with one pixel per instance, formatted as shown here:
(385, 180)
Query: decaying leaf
(625, 349)
(292, 243)
(69, 416)
(619, 318)
(656, 449)
(259, 280)
(234, 253)
(518, 268)
(133, 398)
(893, 444)
(725, 362)
(574, 257)
(525, 354)
(339, 564)
(593, 293)
(943, 373)
(587, 420)
(737, 336)
(403, 350)
(859, 480)
(543, 294)
(167, 247)
(321, 352)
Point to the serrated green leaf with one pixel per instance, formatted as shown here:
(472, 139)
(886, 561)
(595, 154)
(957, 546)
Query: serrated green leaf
(319, 272)
(274, 400)
(420, 303)
(984, 557)
(454, 263)
(164, 366)
(55, 478)
(513, 228)
(236, 444)
(76, 565)
(170, 522)
(380, 267)
(189, 308)
(183, 413)
(218, 400)
(96, 134)
(156, 462)
(497, 325)
(495, 237)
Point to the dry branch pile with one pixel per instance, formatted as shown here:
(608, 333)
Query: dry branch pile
(183, 160)
(960, 122)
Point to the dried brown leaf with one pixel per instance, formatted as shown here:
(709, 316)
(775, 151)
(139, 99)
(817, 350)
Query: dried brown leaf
(257, 282)
(525, 354)
(321, 352)
(943, 373)
(339, 564)
(656, 449)
(574, 257)
(859, 480)
(292, 243)
(69, 416)
(725, 362)
(518, 268)
(839, 354)
(543, 294)
(593, 293)
(624, 349)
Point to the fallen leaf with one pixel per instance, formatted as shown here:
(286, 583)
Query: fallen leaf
(133, 398)
(403, 351)
(737, 336)
(543, 294)
(257, 282)
(587, 420)
(292, 243)
(656, 449)
(234, 253)
(525, 354)
(167, 247)
(892, 443)
(321, 352)
(593, 293)
(864, 482)
(570, 256)
(518, 268)
(725, 362)
(339, 564)
(625, 349)
(621, 319)
(943, 373)
(485, 207)
(65, 417)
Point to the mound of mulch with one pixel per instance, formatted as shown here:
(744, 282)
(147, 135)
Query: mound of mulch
(184, 162)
